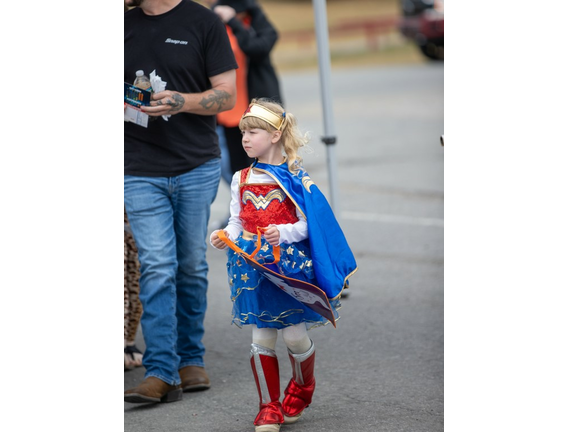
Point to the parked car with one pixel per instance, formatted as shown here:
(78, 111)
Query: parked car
(422, 22)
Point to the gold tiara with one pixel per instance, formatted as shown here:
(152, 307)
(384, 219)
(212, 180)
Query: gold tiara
(270, 117)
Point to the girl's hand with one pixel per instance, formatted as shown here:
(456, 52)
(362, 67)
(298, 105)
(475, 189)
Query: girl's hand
(272, 235)
(216, 241)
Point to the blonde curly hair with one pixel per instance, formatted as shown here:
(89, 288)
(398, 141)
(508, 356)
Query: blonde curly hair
(292, 139)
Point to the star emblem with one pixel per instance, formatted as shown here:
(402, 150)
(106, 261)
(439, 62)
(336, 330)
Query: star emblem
(245, 278)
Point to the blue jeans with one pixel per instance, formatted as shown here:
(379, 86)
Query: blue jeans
(226, 173)
(169, 217)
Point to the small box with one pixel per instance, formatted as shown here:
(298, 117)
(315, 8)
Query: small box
(134, 98)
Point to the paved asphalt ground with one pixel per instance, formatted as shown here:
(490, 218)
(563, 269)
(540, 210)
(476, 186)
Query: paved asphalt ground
(381, 369)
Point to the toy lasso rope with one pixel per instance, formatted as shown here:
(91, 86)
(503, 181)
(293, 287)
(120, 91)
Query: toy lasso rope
(233, 246)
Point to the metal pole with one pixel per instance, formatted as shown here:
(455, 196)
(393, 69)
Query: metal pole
(324, 62)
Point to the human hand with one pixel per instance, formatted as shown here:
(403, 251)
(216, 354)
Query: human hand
(216, 241)
(166, 102)
(272, 235)
(226, 13)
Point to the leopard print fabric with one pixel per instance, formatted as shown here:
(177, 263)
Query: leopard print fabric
(132, 305)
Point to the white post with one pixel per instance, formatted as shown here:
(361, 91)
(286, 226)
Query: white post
(324, 62)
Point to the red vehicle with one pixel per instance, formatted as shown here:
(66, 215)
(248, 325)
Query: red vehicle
(423, 22)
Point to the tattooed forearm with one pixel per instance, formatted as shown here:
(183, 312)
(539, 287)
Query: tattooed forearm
(216, 100)
(176, 104)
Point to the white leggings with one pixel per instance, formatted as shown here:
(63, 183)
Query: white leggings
(295, 337)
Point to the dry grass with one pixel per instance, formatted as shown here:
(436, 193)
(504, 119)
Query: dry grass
(295, 15)
(297, 49)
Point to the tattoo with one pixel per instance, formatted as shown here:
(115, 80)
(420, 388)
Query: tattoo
(176, 104)
(219, 99)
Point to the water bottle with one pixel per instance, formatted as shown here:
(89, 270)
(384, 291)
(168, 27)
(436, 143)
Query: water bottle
(142, 81)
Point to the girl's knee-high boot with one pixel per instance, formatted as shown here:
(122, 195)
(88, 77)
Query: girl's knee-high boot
(298, 394)
(264, 364)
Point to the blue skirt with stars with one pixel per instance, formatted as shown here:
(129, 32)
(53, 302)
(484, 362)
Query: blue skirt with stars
(258, 301)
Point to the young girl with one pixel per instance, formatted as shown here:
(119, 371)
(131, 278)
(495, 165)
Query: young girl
(276, 195)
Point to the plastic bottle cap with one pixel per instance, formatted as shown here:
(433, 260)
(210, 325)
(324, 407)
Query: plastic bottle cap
(139, 73)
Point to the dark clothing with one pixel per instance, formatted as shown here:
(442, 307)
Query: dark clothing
(257, 42)
(185, 46)
(256, 37)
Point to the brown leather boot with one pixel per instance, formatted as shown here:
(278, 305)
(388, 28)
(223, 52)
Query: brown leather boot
(153, 389)
(194, 378)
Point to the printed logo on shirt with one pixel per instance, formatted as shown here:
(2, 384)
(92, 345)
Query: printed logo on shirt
(176, 42)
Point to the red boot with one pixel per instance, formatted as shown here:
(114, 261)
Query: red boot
(298, 394)
(264, 364)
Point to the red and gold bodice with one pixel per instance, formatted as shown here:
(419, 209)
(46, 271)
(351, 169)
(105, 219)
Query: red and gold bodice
(263, 204)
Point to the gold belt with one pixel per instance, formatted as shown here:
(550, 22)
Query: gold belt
(248, 235)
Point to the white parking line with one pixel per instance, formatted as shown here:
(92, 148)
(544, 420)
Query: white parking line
(395, 219)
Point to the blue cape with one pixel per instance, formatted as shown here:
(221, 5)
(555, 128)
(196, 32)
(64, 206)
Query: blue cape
(332, 258)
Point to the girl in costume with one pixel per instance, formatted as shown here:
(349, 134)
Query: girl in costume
(275, 197)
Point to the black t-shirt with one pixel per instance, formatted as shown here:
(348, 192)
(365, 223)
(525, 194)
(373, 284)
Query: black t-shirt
(185, 46)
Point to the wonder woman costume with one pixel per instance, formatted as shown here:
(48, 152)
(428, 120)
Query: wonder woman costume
(312, 249)
(263, 201)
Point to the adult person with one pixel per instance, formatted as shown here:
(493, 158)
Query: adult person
(253, 37)
(171, 176)
(233, 157)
